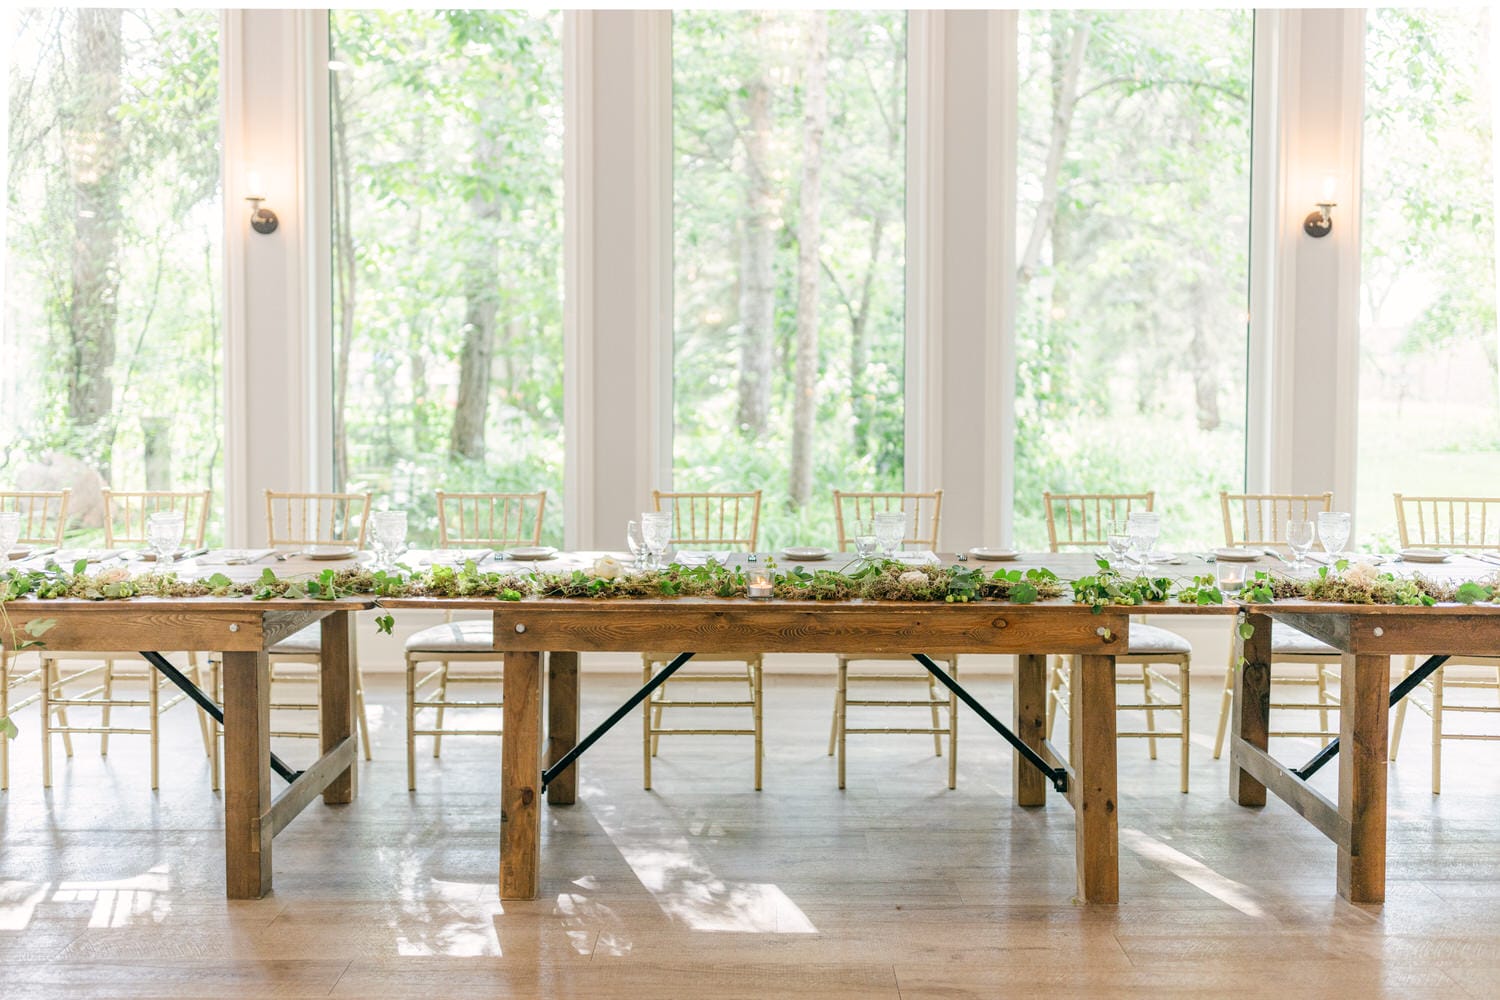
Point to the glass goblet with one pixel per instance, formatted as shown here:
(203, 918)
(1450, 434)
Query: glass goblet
(1333, 532)
(636, 543)
(865, 542)
(1144, 528)
(10, 532)
(388, 537)
(164, 531)
(1299, 538)
(1117, 537)
(656, 532)
(890, 531)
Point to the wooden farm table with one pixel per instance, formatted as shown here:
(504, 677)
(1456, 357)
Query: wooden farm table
(525, 630)
(1368, 636)
(243, 630)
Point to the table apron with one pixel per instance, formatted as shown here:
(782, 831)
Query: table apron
(1448, 632)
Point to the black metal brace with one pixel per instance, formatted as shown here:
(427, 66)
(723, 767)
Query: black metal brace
(1057, 775)
(1406, 687)
(548, 774)
(206, 703)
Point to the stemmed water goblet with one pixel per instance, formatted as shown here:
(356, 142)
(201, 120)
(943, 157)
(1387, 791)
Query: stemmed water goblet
(1144, 528)
(387, 537)
(865, 542)
(164, 531)
(656, 536)
(1117, 537)
(636, 543)
(1299, 538)
(10, 532)
(1333, 532)
(890, 531)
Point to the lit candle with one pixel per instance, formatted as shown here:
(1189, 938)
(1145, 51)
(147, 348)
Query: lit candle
(760, 585)
(1231, 577)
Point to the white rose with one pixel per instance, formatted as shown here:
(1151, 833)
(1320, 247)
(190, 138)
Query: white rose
(1361, 574)
(913, 578)
(115, 574)
(608, 568)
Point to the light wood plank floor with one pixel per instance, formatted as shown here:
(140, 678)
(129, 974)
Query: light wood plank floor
(703, 888)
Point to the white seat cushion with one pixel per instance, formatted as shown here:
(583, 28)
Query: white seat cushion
(1287, 640)
(1148, 640)
(303, 641)
(454, 637)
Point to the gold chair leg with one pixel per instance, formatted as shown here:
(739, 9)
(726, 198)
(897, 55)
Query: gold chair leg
(213, 724)
(833, 727)
(1147, 697)
(646, 730)
(1224, 701)
(1322, 701)
(1437, 731)
(109, 693)
(657, 709)
(441, 695)
(46, 721)
(364, 720)
(1182, 679)
(932, 699)
(953, 729)
(1054, 685)
(4, 711)
(758, 696)
(1400, 720)
(153, 712)
(205, 721)
(411, 724)
(843, 716)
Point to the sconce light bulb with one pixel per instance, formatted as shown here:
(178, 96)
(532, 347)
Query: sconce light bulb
(252, 185)
(1330, 189)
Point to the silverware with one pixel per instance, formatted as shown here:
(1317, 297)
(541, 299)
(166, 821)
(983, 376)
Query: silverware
(284, 556)
(1276, 555)
(963, 557)
(194, 554)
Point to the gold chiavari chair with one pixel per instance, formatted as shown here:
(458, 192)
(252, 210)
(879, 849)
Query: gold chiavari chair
(1458, 524)
(44, 517)
(924, 516)
(495, 521)
(1258, 520)
(1081, 520)
(125, 516)
(719, 521)
(298, 520)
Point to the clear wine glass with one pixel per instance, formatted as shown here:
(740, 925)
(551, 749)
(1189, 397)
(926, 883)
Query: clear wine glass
(890, 531)
(1117, 537)
(164, 531)
(1333, 532)
(1144, 528)
(865, 542)
(636, 543)
(656, 532)
(387, 537)
(10, 532)
(1299, 538)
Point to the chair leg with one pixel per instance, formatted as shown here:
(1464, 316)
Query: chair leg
(1147, 698)
(843, 716)
(1437, 731)
(1400, 720)
(4, 712)
(953, 729)
(153, 712)
(646, 729)
(442, 696)
(46, 721)
(1054, 685)
(109, 693)
(932, 699)
(364, 720)
(657, 708)
(1187, 742)
(411, 724)
(1224, 701)
(213, 724)
(205, 722)
(1322, 677)
(833, 727)
(758, 696)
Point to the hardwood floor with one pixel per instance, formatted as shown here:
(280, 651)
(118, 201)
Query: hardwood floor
(896, 887)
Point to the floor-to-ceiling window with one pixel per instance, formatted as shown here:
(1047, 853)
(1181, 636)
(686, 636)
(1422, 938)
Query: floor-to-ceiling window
(1429, 385)
(447, 133)
(113, 319)
(1132, 260)
(789, 181)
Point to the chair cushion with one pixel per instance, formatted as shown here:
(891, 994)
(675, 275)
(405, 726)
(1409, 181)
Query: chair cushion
(454, 637)
(1287, 640)
(307, 640)
(1148, 639)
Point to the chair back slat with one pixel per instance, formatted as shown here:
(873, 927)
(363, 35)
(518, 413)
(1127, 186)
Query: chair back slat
(316, 518)
(1260, 518)
(713, 520)
(1461, 523)
(44, 514)
(125, 514)
(495, 520)
(1080, 520)
(924, 515)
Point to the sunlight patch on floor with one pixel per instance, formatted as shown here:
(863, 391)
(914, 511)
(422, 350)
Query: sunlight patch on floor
(121, 902)
(1193, 872)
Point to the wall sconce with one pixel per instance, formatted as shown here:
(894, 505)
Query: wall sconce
(262, 220)
(1320, 223)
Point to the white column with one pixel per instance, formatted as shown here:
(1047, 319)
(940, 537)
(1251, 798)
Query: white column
(961, 269)
(1305, 291)
(276, 362)
(617, 329)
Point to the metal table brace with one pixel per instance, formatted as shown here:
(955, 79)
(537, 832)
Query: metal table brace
(1406, 687)
(206, 703)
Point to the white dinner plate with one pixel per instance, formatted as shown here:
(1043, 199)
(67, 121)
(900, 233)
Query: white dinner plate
(328, 552)
(1423, 556)
(994, 555)
(805, 553)
(532, 553)
(1237, 555)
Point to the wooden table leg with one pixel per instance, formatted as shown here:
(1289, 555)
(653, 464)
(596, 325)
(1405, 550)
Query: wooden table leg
(1250, 714)
(336, 699)
(1030, 785)
(562, 724)
(247, 774)
(1365, 683)
(521, 776)
(1092, 702)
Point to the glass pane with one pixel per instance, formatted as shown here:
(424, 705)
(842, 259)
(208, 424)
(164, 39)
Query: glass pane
(789, 284)
(447, 162)
(113, 317)
(1132, 250)
(1429, 393)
